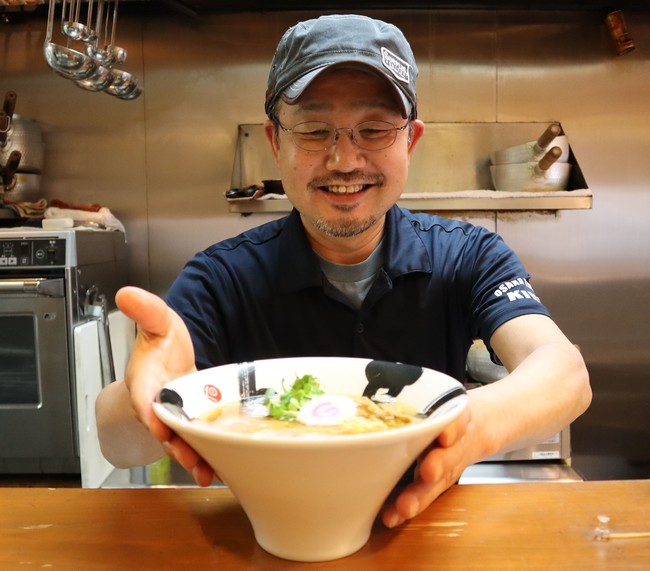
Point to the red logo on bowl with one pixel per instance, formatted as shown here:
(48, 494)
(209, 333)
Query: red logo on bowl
(212, 392)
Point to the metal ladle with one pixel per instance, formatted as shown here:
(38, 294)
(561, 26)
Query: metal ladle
(64, 60)
(124, 86)
(110, 54)
(99, 81)
(74, 29)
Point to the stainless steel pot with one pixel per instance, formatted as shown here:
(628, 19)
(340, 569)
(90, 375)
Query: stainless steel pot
(23, 135)
(26, 187)
(543, 175)
(534, 150)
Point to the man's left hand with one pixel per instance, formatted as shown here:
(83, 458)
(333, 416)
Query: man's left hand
(439, 467)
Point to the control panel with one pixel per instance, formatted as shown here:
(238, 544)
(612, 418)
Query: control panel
(32, 252)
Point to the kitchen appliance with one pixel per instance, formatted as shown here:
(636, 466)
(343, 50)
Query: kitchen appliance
(52, 282)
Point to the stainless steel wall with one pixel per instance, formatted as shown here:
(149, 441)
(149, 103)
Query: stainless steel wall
(162, 162)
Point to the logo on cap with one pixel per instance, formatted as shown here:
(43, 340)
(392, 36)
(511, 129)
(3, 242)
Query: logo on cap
(397, 66)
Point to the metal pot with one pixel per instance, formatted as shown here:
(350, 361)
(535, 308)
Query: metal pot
(534, 150)
(9, 169)
(20, 134)
(546, 174)
(26, 187)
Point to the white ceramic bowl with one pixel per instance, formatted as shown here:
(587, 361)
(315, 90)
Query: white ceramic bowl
(313, 499)
(525, 177)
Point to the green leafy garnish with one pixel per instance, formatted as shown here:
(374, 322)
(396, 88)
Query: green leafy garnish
(285, 406)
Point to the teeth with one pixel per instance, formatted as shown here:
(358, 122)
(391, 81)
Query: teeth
(345, 189)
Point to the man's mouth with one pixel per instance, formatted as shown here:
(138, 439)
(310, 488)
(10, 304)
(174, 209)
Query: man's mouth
(346, 183)
(345, 189)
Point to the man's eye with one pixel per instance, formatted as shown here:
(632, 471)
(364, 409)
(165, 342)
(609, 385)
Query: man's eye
(373, 133)
(313, 134)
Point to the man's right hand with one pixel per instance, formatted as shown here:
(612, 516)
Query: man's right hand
(162, 352)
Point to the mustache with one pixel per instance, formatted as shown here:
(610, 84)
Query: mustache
(352, 177)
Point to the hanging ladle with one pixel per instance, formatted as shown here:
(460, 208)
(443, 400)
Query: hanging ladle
(124, 86)
(100, 80)
(110, 54)
(66, 61)
(103, 76)
(74, 29)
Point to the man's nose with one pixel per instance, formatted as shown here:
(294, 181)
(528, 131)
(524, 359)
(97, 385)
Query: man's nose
(344, 154)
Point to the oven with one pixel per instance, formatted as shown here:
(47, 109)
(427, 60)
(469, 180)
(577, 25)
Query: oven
(51, 282)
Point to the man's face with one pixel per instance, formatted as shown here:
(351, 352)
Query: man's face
(345, 190)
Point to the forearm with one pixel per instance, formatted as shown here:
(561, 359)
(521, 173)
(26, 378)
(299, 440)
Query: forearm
(124, 440)
(544, 393)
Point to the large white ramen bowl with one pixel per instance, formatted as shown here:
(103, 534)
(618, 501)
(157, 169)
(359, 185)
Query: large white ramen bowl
(312, 498)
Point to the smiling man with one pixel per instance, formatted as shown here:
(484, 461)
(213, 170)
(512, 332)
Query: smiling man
(343, 180)
(348, 273)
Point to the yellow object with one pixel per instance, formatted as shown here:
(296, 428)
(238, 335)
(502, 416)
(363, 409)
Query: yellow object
(160, 471)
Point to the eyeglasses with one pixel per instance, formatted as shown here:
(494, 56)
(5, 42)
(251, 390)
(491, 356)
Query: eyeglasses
(314, 136)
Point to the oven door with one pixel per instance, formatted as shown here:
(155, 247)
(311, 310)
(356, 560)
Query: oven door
(36, 414)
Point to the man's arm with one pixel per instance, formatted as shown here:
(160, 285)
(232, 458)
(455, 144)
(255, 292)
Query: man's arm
(129, 432)
(546, 389)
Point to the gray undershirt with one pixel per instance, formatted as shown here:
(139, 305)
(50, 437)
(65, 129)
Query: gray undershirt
(354, 280)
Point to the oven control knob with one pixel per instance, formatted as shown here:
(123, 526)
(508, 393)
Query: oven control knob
(51, 253)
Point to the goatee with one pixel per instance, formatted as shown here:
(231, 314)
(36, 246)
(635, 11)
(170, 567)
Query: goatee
(344, 228)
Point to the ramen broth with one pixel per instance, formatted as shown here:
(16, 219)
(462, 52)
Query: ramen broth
(369, 417)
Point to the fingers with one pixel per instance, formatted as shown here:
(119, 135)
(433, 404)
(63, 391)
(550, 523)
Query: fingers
(406, 506)
(148, 310)
(162, 350)
(439, 468)
(455, 431)
(186, 456)
(159, 429)
(414, 499)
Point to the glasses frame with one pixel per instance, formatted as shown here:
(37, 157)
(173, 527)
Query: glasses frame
(337, 131)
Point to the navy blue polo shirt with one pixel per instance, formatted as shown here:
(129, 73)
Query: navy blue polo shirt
(262, 294)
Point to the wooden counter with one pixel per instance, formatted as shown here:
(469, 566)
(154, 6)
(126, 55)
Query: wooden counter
(486, 527)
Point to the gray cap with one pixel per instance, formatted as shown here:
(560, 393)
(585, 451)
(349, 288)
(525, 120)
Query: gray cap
(312, 46)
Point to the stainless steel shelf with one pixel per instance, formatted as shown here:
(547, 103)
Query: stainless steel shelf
(451, 162)
(519, 472)
(486, 200)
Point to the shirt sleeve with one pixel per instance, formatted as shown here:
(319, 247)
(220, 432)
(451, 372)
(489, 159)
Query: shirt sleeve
(193, 295)
(501, 286)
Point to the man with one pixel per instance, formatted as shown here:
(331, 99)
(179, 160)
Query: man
(348, 273)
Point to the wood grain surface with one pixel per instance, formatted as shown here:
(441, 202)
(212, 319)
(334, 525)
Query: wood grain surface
(487, 527)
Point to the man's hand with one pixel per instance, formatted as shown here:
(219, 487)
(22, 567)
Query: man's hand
(439, 467)
(546, 389)
(162, 352)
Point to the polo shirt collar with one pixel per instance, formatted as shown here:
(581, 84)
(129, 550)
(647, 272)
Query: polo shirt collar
(299, 267)
(404, 251)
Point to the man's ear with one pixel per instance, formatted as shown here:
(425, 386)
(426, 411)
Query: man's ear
(416, 130)
(271, 131)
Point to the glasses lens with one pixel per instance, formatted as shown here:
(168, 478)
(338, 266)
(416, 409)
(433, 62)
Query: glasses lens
(319, 136)
(375, 135)
(313, 135)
